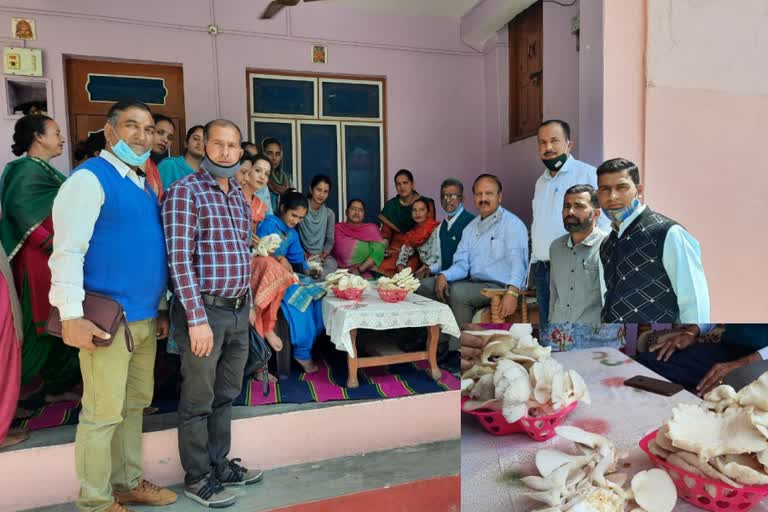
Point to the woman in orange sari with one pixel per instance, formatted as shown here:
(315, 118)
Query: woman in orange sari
(270, 277)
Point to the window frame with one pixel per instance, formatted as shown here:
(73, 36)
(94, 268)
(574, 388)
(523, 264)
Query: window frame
(330, 77)
(382, 159)
(287, 78)
(339, 133)
(379, 83)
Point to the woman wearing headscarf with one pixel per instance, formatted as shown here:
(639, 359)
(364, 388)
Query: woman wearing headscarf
(279, 180)
(358, 245)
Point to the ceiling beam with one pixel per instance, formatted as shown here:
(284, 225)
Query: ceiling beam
(480, 24)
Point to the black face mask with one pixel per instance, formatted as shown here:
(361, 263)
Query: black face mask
(555, 164)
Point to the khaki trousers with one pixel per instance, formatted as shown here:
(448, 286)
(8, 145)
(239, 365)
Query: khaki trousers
(117, 386)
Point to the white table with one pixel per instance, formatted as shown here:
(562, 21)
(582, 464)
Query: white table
(491, 466)
(342, 319)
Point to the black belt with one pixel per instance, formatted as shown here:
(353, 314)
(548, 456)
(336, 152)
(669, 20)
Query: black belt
(224, 302)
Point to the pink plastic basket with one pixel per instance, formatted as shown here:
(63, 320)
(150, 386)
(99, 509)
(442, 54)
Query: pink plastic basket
(348, 294)
(705, 493)
(392, 295)
(538, 428)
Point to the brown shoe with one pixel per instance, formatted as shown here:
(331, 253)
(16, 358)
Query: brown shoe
(146, 493)
(116, 507)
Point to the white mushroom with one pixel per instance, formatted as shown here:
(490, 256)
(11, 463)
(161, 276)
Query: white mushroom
(710, 434)
(662, 439)
(755, 394)
(542, 374)
(743, 468)
(704, 467)
(654, 490)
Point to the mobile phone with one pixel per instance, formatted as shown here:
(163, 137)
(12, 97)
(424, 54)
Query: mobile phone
(660, 387)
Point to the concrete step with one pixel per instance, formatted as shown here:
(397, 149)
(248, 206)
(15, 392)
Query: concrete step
(421, 478)
(267, 436)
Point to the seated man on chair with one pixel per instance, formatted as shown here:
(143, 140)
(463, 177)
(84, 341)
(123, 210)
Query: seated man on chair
(739, 357)
(492, 253)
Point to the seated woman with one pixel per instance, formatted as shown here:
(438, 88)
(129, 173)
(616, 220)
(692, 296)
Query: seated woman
(420, 238)
(358, 245)
(10, 355)
(396, 220)
(317, 230)
(301, 302)
(269, 277)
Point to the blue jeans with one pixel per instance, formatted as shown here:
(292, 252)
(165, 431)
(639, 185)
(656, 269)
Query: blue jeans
(541, 280)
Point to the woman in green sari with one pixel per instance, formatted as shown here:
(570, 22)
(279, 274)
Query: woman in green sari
(27, 188)
(396, 220)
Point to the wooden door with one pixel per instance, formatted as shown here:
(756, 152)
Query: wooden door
(93, 86)
(526, 72)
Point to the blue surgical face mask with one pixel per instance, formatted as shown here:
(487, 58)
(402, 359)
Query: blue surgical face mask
(219, 171)
(124, 152)
(619, 215)
(454, 213)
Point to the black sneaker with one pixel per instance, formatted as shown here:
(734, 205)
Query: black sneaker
(210, 493)
(235, 474)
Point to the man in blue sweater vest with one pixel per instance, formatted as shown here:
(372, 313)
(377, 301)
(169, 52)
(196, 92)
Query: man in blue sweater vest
(104, 216)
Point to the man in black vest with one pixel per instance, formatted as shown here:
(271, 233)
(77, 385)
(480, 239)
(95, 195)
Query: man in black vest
(448, 234)
(650, 266)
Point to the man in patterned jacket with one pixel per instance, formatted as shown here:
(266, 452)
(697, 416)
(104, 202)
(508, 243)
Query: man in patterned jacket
(650, 266)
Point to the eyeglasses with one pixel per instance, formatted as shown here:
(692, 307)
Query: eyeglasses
(450, 197)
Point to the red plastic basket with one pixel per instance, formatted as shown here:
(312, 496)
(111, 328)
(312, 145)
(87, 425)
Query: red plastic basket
(348, 294)
(706, 493)
(538, 428)
(392, 295)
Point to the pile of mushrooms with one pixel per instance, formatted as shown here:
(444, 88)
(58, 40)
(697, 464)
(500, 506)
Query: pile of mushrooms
(403, 280)
(589, 481)
(724, 438)
(343, 280)
(519, 377)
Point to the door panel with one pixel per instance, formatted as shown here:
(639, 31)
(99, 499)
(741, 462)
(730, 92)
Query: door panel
(93, 86)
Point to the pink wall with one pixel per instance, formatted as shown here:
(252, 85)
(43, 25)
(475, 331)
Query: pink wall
(590, 147)
(693, 110)
(435, 103)
(624, 80)
(518, 164)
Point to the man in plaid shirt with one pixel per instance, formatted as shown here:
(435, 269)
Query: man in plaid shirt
(207, 226)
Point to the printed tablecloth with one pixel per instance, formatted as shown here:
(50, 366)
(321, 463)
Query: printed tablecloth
(370, 312)
(491, 467)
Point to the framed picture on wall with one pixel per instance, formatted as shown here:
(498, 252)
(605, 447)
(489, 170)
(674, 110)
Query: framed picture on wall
(23, 28)
(320, 55)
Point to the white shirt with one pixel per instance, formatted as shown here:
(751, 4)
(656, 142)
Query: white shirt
(548, 198)
(75, 211)
(682, 262)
